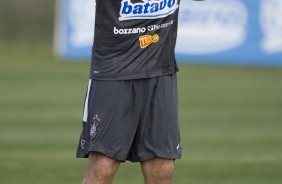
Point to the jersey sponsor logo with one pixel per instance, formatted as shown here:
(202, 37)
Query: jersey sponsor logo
(147, 40)
(94, 127)
(147, 9)
(129, 30)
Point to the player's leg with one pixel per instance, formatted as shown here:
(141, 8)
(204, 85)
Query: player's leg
(158, 171)
(109, 125)
(158, 137)
(101, 169)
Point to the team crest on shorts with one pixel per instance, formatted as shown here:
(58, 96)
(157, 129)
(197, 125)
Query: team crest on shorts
(94, 126)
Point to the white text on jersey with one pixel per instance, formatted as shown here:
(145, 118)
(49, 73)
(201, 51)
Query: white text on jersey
(148, 9)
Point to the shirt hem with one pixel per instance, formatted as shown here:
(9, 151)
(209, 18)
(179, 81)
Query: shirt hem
(134, 76)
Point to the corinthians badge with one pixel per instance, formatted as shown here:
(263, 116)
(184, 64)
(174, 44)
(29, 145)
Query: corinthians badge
(94, 126)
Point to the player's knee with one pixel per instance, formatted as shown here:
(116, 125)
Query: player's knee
(166, 171)
(104, 169)
(162, 172)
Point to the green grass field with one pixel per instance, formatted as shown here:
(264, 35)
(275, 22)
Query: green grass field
(230, 118)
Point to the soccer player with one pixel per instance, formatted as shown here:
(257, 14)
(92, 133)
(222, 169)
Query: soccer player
(131, 105)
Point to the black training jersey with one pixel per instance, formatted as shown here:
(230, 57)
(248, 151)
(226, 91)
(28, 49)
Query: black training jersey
(134, 39)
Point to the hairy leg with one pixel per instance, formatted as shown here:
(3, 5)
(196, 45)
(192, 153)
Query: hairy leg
(101, 169)
(158, 171)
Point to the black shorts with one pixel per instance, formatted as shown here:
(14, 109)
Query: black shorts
(134, 120)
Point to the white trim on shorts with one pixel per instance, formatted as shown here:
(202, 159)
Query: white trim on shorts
(85, 111)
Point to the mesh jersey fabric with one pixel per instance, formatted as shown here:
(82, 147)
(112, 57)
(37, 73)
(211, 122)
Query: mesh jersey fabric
(134, 39)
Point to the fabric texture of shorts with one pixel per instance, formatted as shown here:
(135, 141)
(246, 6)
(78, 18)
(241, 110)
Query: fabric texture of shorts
(134, 120)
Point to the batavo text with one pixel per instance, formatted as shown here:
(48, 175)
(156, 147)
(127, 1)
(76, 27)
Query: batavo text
(142, 29)
(148, 7)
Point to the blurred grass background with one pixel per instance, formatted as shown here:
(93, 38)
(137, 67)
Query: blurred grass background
(230, 117)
